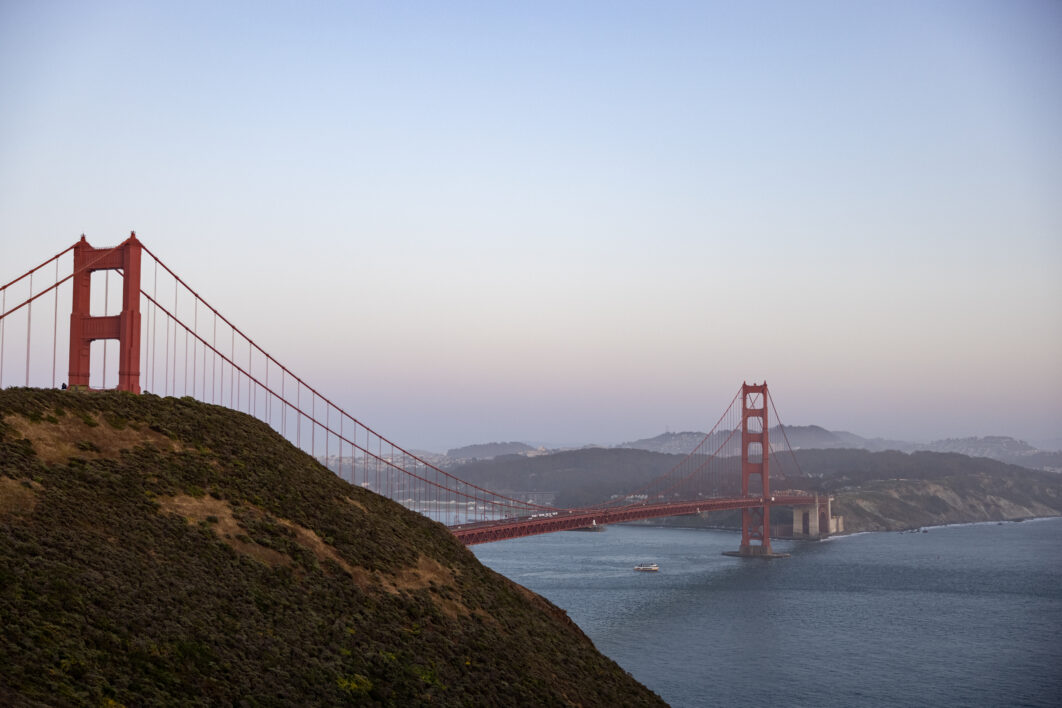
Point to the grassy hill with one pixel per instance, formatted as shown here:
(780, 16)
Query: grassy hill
(160, 551)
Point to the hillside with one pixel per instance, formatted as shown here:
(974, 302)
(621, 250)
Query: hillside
(897, 505)
(486, 451)
(886, 491)
(156, 551)
(813, 437)
(799, 437)
(874, 490)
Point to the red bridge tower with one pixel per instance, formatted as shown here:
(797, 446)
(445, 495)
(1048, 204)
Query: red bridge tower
(125, 327)
(755, 478)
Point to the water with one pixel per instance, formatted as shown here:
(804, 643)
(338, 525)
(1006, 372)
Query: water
(959, 616)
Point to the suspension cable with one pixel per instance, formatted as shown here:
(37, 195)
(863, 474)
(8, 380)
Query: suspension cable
(784, 436)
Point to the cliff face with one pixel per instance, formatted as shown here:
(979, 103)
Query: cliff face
(893, 505)
(159, 551)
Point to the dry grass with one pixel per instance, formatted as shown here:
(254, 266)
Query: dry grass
(70, 436)
(228, 529)
(426, 574)
(432, 575)
(16, 497)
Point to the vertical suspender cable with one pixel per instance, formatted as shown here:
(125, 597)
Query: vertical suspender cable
(29, 322)
(184, 390)
(154, 323)
(214, 362)
(3, 326)
(195, 343)
(143, 337)
(106, 302)
(154, 326)
(55, 322)
(204, 370)
(173, 380)
(234, 403)
(166, 371)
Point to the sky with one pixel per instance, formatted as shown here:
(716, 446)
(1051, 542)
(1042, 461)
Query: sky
(575, 222)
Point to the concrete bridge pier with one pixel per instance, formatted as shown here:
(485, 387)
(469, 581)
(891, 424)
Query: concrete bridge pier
(816, 520)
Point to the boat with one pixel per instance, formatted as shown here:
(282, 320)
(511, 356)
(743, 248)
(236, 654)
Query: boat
(647, 567)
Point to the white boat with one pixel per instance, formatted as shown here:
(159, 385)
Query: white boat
(647, 567)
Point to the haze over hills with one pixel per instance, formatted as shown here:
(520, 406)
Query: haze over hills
(878, 484)
(802, 437)
(489, 450)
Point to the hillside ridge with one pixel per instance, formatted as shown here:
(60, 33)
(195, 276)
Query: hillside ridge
(156, 551)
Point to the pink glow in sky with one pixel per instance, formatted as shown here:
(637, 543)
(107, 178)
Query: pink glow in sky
(574, 223)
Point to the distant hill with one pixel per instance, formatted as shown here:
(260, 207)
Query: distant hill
(875, 490)
(799, 436)
(999, 447)
(813, 437)
(667, 443)
(891, 490)
(575, 477)
(487, 451)
(156, 551)
(1049, 445)
(995, 447)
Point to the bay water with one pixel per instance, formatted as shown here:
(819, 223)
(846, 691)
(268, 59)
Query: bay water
(967, 615)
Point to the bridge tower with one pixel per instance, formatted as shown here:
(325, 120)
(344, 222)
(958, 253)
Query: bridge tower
(125, 327)
(755, 478)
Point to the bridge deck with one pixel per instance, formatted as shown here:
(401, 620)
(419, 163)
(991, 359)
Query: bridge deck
(502, 529)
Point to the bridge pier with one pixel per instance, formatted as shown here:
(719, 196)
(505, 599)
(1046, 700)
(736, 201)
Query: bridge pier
(816, 520)
(755, 552)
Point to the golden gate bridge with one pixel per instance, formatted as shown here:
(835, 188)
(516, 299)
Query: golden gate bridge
(172, 342)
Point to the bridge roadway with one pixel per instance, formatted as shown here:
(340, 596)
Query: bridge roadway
(569, 520)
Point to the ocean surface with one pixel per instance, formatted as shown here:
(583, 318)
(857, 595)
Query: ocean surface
(967, 615)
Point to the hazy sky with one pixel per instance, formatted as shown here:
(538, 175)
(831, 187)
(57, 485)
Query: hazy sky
(575, 222)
